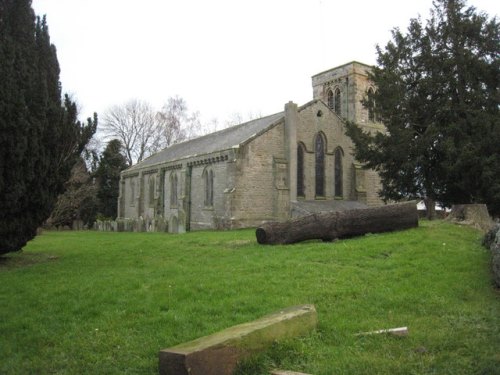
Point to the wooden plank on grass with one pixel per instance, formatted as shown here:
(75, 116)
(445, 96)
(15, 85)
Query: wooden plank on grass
(219, 354)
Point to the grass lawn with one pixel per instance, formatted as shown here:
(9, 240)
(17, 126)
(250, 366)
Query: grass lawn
(106, 303)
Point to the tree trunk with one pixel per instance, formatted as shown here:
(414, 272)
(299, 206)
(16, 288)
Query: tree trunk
(328, 226)
(430, 208)
(475, 215)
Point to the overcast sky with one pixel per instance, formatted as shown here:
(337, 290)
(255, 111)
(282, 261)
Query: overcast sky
(222, 56)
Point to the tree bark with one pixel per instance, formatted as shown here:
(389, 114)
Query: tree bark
(430, 208)
(328, 226)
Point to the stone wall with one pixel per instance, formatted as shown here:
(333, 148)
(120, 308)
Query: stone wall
(352, 81)
(258, 180)
(208, 216)
(330, 125)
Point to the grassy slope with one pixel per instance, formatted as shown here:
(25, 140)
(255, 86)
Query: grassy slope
(107, 302)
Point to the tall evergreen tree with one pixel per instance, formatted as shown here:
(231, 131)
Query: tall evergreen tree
(40, 136)
(108, 178)
(438, 96)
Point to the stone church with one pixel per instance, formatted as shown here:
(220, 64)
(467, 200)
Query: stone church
(273, 168)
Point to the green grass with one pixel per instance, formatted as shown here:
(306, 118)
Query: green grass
(106, 303)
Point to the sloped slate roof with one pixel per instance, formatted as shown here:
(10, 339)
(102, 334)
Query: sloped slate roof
(222, 140)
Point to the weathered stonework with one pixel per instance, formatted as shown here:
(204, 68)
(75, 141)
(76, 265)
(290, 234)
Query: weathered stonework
(255, 165)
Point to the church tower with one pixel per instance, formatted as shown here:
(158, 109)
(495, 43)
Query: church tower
(342, 89)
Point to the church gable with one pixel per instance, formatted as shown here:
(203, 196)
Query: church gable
(324, 155)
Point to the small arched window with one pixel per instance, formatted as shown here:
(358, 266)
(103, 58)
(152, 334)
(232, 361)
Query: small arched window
(151, 183)
(338, 175)
(371, 105)
(338, 106)
(300, 171)
(209, 187)
(173, 190)
(132, 192)
(319, 154)
(330, 99)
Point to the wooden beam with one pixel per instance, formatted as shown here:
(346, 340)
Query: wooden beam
(219, 353)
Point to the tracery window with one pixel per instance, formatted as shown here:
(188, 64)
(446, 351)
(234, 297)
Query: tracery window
(300, 170)
(330, 99)
(338, 175)
(319, 153)
(173, 190)
(337, 102)
(209, 187)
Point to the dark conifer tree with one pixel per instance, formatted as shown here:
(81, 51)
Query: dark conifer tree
(438, 96)
(40, 136)
(108, 178)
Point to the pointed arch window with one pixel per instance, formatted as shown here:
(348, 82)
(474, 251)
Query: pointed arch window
(300, 170)
(319, 154)
(132, 192)
(151, 183)
(173, 190)
(330, 99)
(208, 176)
(337, 100)
(338, 173)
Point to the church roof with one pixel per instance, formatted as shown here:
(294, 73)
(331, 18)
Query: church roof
(219, 141)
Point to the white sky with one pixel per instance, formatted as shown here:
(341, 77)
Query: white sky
(222, 56)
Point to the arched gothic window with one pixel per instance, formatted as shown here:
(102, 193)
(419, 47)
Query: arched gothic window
(371, 105)
(151, 183)
(173, 190)
(132, 192)
(319, 153)
(209, 187)
(330, 99)
(300, 170)
(338, 102)
(338, 175)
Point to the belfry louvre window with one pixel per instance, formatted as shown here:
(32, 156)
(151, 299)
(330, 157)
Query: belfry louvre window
(319, 153)
(173, 190)
(330, 99)
(300, 170)
(338, 173)
(209, 187)
(338, 107)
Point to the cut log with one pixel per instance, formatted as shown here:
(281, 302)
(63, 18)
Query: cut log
(328, 226)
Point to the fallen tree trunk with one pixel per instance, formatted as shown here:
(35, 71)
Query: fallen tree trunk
(328, 226)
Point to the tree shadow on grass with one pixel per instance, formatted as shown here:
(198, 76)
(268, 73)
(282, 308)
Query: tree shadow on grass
(21, 259)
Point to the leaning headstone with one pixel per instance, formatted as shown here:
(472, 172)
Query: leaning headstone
(219, 354)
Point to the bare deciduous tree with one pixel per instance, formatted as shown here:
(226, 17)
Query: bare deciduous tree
(143, 131)
(135, 126)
